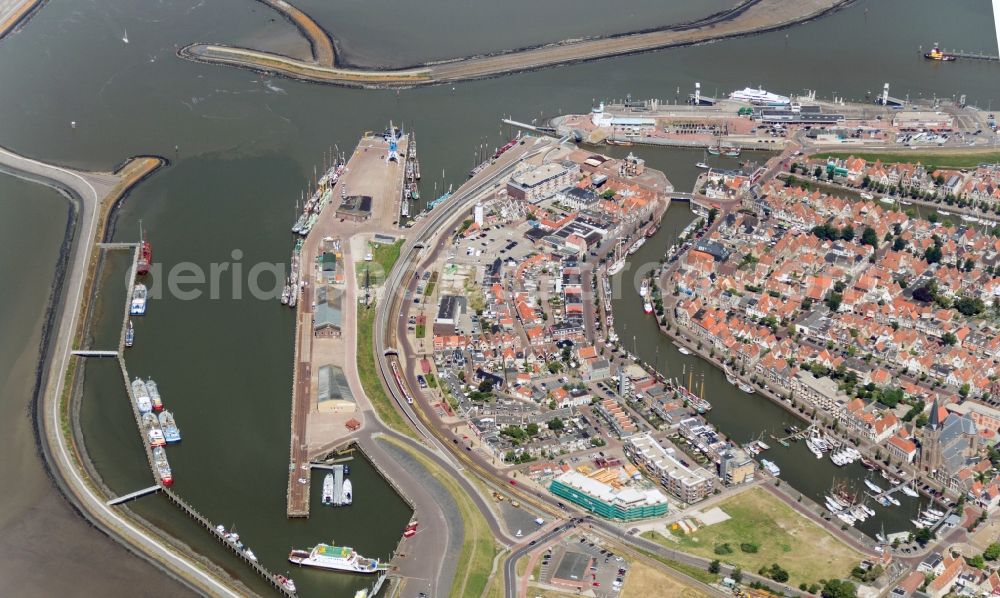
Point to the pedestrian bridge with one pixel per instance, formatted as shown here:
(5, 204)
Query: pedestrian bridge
(133, 495)
(88, 353)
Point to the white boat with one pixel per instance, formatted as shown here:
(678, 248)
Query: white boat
(759, 97)
(968, 218)
(934, 512)
(771, 467)
(138, 305)
(892, 499)
(250, 555)
(909, 491)
(702, 165)
(125, 34)
(635, 246)
(518, 534)
(338, 558)
(887, 200)
(348, 493)
(644, 288)
(328, 489)
(917, 523)
(616, 267)
(873, 486)
(845, 518)
(814, 448)
(141, 395)
(647, 307)
(866, 195)
(944, 213)
(745, 387)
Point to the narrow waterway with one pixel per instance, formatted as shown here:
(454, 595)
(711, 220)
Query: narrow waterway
(242, 149)
(739, 416)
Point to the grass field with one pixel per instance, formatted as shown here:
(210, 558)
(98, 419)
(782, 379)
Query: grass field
(475, 562)
(383, 259)
(643, 581)
(368, 372)
(808, 552)
(942, 159)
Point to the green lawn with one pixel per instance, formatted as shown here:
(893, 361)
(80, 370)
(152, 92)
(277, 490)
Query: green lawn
(808, 552)
(945, 158)
(383, 259)
(429, 289)
(420, 330)
(368, 372)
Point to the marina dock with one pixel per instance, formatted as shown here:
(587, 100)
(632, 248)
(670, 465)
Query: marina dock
(368, 196)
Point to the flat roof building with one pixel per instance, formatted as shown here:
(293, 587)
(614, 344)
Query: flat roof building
(690, 484)
(627, 504)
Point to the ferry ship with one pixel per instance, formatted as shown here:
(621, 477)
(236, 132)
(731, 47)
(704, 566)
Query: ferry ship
(153, 431)
(162, 466)
(154, 395)
(141, 396)
(644, 288)
(129, 335)
(759, 97)
(170, 430)
(937, 54)
(138, 305)
(348, 493)
(338, 558)
(647, 307)
(145, 257)
(328, 489)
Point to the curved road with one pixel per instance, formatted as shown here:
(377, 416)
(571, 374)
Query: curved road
(89, 189)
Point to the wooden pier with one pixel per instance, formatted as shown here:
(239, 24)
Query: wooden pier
(205, 523)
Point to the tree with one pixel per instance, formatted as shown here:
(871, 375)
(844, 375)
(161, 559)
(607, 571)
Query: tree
(899, 244)
(847, 233)
(833, 300)
(949, 339)
(976, 561)
(712, 215)
(737, 575)
(970, 306)
(818, 173)
(714, 567)
(992, 552)
(923, 536)
(869, 237)
(932, 254)
(556, 424)
(835, 588)
(532, 429)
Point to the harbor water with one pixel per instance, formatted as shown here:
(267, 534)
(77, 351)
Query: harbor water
(242, 148)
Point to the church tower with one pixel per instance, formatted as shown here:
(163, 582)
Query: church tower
(930, 443)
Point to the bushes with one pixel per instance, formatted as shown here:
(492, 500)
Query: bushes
(723, 549)
(774, 572)
(749, 547)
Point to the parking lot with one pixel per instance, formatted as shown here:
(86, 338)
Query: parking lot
(580, 562)
(490, 244)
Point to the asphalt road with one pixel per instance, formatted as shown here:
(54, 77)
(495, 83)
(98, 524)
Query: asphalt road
(88, 189)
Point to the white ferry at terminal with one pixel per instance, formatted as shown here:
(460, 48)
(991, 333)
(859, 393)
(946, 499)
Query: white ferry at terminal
(759, 97)
(338, 558)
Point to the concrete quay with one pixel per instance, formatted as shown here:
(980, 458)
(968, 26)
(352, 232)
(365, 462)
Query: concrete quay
(746, 18)
(368, 173)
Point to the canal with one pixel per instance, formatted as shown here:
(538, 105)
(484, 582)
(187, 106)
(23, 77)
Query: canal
(242, 148)
(739, 416)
